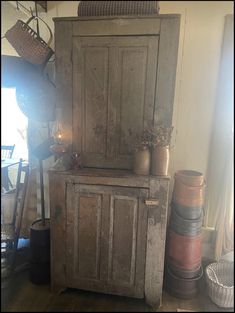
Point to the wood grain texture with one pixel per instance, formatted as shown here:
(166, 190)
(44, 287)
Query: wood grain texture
(155, 251)
(167, 61)
(123, 226)
(113, 17)
(57, 189)
(90, 79)
(63, 63)
(116, 27)
(113, 96)
(23, 296)
(105, 237)
(123, 80)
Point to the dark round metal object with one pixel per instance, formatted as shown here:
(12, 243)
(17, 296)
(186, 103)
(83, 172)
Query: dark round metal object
(190, 213)
(184, 288)
(185, 227)
(40, 252)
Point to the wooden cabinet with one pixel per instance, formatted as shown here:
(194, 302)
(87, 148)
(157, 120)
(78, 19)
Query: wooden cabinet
(106, 230)
(114, 77)
(106, 235)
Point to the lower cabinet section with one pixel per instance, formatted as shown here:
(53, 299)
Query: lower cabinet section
(104, 236)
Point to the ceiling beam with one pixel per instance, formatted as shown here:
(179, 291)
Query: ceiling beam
(25, 6)
(43, 5)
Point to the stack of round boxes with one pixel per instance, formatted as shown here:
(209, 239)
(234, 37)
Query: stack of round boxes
(183, 253)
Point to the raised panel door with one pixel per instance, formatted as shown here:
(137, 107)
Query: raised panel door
(126, 231)
(106, 238)
(113, 96)
(83, 237)
(90, 101)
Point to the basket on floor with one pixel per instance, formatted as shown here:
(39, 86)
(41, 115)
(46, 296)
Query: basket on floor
(220, 283)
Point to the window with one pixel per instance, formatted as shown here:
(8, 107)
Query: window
(13, 124)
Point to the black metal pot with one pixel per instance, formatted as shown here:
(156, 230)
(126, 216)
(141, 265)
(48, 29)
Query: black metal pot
(40, 252)
(190, 213)
(184, 226)
(184, 288)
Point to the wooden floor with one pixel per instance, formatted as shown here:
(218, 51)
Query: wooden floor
(20, 295)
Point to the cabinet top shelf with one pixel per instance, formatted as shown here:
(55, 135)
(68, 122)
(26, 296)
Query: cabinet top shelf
(110, 17)
(99, 172)
(109, 177)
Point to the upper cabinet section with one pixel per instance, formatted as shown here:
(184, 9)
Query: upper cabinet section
(113, 96)
(114, 76)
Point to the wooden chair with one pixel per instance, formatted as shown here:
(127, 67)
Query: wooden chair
(10, 231)
(7, 152)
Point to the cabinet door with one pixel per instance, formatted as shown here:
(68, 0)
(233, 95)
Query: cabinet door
(134, 92)
(127, 223)
(106, 239)
(83, 237)
(113, 96)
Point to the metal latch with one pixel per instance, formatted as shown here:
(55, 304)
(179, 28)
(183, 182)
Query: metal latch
(151, 202)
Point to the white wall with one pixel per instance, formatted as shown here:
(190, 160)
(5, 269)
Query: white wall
(202, 24)
(54, 9)
(9, 16)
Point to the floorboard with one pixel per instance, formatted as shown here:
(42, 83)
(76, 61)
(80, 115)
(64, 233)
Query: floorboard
(20, 295)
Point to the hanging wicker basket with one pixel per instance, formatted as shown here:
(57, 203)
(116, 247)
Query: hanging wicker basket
(28, 44)
(220, 283)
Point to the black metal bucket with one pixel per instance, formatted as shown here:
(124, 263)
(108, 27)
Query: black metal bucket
(189, 213)
(184, 226)
(184, 288)
(40, 253)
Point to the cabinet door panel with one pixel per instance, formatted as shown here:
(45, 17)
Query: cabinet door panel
(123, 227)
(137, 63)
(95, 94)
(127, 233)
(114, 91)
(106, 233)
(90, 100)
(132, 91)
(88, 244)
(83, 235)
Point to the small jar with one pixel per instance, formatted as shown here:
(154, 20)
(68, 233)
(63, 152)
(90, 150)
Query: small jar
(160, 160)
(142, 161)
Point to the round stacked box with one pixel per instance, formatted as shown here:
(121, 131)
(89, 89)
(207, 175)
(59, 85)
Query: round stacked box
(184, 237)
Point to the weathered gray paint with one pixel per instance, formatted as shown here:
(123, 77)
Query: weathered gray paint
(97, 63)
(126, 234)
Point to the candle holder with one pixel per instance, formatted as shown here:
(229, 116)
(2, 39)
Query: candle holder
(60, 151)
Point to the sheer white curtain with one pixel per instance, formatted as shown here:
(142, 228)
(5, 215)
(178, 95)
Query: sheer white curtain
(220, 194)
(225, 212)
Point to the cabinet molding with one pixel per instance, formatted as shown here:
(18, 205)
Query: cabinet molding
(114, 77)
(107, 83)
(121, 238)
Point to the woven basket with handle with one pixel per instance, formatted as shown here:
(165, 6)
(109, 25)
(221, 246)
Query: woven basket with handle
(28, 44)
(220, 283)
